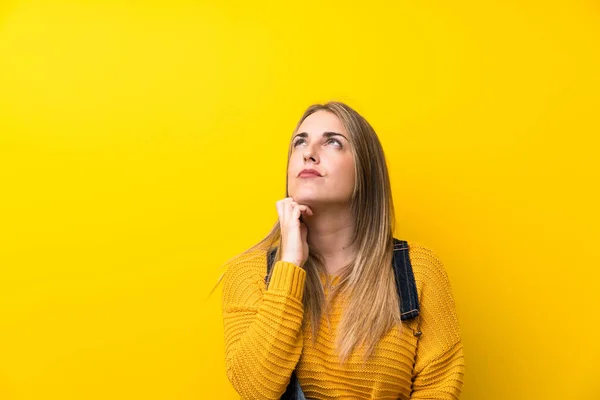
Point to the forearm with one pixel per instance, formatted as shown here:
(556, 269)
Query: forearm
(264, 343)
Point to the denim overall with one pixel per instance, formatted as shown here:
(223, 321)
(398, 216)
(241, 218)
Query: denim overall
(407, 292)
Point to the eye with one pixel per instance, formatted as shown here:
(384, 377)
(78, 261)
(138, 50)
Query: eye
(329, 140)
(335, 140)
(297, 141)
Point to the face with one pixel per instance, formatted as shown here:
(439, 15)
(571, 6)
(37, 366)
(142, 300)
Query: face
(321, 143)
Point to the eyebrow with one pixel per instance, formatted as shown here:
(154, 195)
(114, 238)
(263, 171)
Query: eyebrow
(325, 134)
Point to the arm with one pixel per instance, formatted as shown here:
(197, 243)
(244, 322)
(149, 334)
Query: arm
(439, 366)
(442, 377)
(263, 337)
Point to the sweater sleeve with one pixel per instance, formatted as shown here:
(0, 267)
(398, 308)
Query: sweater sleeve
(439, 365)
(262, 327)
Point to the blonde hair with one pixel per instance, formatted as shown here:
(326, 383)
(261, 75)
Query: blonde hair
(373, 307)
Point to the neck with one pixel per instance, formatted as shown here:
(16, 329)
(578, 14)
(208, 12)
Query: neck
(330, 231)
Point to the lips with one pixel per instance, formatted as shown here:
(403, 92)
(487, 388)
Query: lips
(309, 173)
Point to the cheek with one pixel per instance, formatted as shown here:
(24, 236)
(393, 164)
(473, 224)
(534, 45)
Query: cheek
(345, 174)
(292, 165)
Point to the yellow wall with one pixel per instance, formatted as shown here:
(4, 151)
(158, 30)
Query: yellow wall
(143, 145)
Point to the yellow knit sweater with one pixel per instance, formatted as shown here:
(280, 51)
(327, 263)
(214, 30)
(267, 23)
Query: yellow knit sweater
(265, 338)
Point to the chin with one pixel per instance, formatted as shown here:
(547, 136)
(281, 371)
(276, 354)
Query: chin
(305, 198)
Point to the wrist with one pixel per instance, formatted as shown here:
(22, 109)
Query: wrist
(293, 261)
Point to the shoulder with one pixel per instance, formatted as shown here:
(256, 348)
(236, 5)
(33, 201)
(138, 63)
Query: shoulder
(428, 268)
(435, 293)
(244, 275)
(438, 315)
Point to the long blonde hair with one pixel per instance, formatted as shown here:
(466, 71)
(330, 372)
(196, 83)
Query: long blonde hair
(372, 306)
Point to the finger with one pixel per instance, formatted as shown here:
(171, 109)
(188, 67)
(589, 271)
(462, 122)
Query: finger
(279, 207)
(305, 210)
(282, 207)
(287, 208)
(296, 213)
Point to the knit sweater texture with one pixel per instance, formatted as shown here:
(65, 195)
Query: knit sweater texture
(265, 339)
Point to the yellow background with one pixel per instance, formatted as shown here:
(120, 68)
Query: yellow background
(144, 144)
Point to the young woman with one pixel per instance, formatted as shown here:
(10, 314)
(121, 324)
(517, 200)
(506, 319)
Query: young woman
(328, 319)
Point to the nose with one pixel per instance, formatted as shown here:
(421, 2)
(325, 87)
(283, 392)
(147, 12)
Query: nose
(309, 153)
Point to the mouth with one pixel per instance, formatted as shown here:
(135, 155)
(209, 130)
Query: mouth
(309, 173)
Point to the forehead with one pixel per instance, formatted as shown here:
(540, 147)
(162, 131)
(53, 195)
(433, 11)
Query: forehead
(321, 121)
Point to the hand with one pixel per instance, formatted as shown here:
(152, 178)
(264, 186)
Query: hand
(294, 233)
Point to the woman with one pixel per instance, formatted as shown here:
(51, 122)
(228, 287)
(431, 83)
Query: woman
(328, 314)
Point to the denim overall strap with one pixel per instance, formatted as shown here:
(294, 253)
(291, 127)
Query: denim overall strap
(405, 281)
(405, 286)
